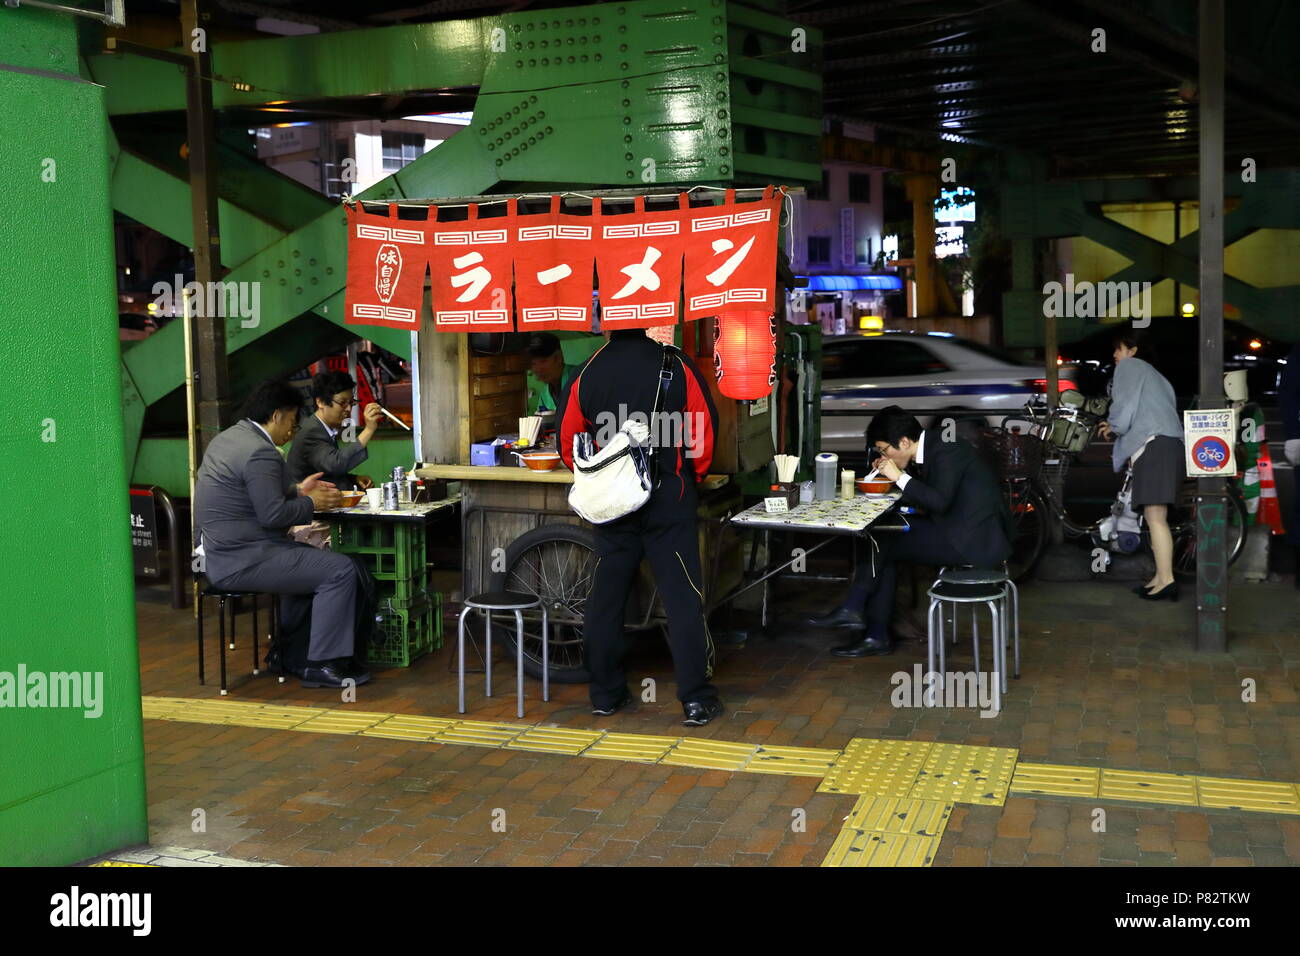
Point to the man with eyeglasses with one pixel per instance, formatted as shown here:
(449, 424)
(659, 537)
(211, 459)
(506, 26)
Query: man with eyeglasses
(244, 505)
(316, 449)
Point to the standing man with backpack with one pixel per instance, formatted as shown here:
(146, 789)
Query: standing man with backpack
(618, 384)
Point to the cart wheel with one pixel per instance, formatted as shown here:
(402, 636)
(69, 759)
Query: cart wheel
(556, 563)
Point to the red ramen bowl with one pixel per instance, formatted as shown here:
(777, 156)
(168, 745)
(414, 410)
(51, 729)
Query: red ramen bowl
(876, 486)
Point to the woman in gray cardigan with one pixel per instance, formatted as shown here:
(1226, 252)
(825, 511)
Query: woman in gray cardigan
(1148, 433)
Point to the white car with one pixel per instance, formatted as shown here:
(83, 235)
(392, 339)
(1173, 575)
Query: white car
(932, 375)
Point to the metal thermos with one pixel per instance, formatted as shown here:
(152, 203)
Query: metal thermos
(826, 475)
(390, 496)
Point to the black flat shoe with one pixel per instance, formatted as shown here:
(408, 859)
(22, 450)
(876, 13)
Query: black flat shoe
(1169, 591)
(867, 647)
(612, 708)
(840, 617)
(699, 713)
(1140, 590)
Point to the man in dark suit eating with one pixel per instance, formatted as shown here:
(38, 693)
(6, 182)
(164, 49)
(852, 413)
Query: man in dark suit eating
(966, 522)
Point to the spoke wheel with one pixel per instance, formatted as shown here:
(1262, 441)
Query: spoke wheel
(1028, 528)
(1186, 526)
(555, 562)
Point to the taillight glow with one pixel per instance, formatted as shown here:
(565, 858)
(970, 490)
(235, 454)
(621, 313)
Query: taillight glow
(1063, 385)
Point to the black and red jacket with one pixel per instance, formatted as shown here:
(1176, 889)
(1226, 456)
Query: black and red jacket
(620, 380)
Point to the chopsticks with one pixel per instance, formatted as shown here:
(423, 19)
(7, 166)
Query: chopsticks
(529, 428)
(393, 417)
(786, 466)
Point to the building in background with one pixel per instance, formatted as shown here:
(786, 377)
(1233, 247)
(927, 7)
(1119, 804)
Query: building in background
(341, 159)
(837, 242)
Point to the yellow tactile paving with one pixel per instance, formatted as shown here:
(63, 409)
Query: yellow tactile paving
(558, 740)
(709, 754)
(920, 770)
(959, 773)
(884, 768)
(1056, 780)
(1171, 788)
(1257, 795)
(635, 748)
(409, 727)
(865, 848)
(342, 722)
(478, 733)
(905, 816)
(793, 761)
(122, 863)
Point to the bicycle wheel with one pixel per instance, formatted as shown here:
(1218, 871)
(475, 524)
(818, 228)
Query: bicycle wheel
(1184, 531)
(1028, 528)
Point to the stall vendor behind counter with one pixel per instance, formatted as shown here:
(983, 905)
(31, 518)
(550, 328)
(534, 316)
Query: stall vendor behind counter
(551, 374)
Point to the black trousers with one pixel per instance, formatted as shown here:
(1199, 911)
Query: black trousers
(876, 577)
(665, 531)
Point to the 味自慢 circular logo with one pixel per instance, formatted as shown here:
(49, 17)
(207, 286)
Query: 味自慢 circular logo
(1210, 453)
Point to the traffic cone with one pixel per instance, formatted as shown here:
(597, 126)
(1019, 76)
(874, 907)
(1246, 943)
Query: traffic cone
(1270, 512)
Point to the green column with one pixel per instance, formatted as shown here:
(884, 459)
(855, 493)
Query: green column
(71, 777)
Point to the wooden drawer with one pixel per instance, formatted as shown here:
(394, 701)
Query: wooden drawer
(485, 429)
(497, 406)
(497, 364)
(496, 384)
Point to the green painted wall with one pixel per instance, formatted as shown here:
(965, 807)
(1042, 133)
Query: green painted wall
(70, 786)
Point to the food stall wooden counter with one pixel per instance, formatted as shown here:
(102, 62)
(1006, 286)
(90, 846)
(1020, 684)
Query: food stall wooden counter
(502, 503)
(499, 504)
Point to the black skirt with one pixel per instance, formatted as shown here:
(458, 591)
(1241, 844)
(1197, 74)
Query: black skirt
(1159, 472)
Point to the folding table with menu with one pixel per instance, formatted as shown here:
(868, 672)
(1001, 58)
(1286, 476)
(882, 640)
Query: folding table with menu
(860, 516)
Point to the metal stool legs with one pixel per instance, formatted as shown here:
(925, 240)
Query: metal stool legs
(460, 657)
(487, 658)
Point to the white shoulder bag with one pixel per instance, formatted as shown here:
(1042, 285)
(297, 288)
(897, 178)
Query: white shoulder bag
(618, 479)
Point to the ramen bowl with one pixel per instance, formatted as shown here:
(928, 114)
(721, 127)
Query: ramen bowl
(876, 486)
(350, 499)
(540, 460)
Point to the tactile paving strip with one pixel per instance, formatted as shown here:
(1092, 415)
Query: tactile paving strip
(1173, 788)
(557, 740)
(479, 733)
(959, 773)
(122, 863)
(1056, 780)
(905, 816)
(342, 722)
(409, 727)
(865, 848)
(883, 768)
(710, 754)
(1259, 795)
(793, 761)
(234, 713)
(635, 748)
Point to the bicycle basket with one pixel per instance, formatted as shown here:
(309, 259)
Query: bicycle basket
(1012, 454)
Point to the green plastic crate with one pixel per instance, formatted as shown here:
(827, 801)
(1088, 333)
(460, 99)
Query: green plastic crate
(405, 634)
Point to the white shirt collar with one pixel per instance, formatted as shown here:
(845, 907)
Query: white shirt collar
(920, 450)
(333, 432)
(262, 430)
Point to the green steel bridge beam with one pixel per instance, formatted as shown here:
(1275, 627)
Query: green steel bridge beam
(1058, 210)
(612, 95)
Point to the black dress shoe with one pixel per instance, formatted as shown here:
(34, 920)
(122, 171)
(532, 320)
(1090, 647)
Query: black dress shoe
(698, 713)
(1169, 591)
(329, 674)
(612, 709)
(867, 647)
(840, 617)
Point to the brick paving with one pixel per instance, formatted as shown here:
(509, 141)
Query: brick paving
(1108, 681)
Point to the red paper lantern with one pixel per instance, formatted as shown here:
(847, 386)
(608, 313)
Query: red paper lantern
(744, 355)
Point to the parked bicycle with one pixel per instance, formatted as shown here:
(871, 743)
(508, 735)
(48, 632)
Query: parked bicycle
(1033, 455)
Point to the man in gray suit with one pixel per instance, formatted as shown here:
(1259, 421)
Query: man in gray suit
(316, 449)
(244, 505)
